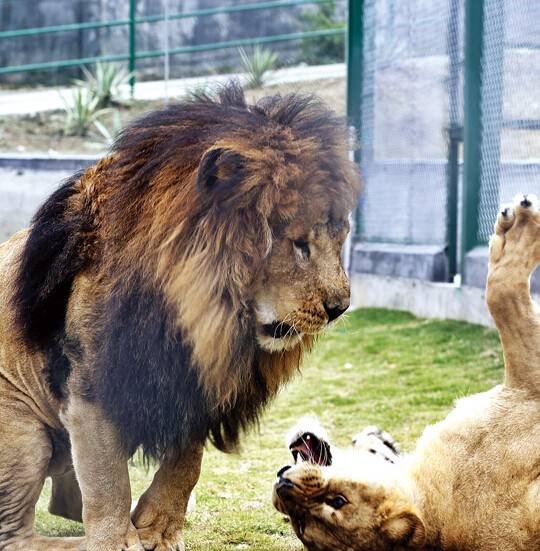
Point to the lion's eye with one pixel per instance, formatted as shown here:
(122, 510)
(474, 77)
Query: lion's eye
(302, 246)
(336, 502)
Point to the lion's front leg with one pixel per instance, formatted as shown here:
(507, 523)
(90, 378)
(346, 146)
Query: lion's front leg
(161, 510)
(101, 466)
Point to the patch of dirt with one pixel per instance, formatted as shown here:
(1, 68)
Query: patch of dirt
(43, 132)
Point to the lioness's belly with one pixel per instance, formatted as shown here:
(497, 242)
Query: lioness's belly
(479, 471)
(21, 371)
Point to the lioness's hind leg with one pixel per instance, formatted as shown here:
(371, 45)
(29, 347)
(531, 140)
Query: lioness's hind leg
(514, 254)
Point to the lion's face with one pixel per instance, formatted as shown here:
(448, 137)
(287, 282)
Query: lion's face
(332, 509)
(304, 286)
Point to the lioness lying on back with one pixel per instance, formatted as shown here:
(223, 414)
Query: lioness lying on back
(473, 482)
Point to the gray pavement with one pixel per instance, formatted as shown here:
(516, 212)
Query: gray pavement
(18, 102)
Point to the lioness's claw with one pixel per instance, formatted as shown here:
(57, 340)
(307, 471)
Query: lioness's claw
(526, 201)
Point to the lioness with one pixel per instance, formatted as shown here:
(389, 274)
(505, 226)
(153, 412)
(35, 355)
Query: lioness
(473, 481)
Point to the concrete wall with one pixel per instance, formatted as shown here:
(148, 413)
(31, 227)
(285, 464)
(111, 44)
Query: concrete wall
(21, 193)
(425, 262)
(422, 298)
(402, 279)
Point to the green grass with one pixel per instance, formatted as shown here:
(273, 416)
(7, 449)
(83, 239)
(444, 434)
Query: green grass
(378, 367)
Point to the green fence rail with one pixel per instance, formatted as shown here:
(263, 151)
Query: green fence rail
(133, 21)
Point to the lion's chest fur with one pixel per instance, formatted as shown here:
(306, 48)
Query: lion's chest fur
(137, 365)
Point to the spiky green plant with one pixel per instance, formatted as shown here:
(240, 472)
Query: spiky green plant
(105, 81)
(110, 132)
(82, 110)
(257, 65)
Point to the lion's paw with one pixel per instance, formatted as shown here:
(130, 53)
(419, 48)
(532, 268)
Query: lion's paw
(162, 536)
(158, 530)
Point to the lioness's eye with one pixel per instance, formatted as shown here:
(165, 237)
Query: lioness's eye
(336, 502)
(302, 246)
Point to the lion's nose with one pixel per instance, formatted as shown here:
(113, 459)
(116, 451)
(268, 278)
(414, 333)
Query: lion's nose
(333, 311)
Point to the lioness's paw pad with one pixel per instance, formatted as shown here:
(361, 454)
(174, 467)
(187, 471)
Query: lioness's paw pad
(378, 442)
(505, 218)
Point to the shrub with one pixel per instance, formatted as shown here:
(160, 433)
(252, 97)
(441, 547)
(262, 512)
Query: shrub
(82, 110)
(105, 81)
(324, 49)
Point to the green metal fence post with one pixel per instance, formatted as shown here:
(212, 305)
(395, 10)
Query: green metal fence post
(492, 112)
(355, 63)
(455, 137)
(132, 44)
(355, 75)
(472, 130)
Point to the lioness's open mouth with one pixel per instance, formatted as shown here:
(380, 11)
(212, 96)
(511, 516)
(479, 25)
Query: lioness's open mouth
(278, 330)
(312, 449)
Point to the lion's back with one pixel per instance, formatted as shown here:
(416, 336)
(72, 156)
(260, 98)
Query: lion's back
(10, 251)
(20, 369)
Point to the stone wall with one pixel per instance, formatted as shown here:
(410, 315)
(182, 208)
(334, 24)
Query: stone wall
(19, 14)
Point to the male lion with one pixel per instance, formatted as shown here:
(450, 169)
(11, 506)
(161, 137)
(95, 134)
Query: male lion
(161, 298)
(473, 481)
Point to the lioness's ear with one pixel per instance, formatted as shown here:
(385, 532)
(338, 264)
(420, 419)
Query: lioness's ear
(405, 528)
(219, 165)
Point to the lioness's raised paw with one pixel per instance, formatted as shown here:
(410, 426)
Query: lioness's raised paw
(517, 224)
(505, 219)
(378, 442)
(513, 255)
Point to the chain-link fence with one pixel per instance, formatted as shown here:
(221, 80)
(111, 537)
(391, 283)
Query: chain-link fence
(448, 117)
(410, 98)
(510, 150)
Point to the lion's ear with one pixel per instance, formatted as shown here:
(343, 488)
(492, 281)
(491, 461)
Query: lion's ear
(404, 528)
(219, 169)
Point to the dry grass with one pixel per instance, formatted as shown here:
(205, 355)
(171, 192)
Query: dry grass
(45, 131)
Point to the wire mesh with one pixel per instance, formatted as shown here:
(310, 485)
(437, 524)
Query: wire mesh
(510, 106)
(411, 95)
